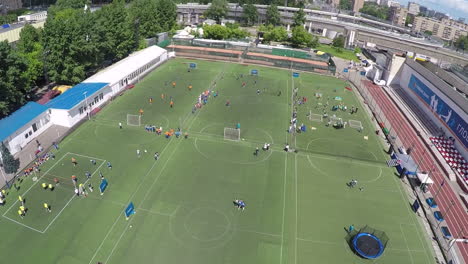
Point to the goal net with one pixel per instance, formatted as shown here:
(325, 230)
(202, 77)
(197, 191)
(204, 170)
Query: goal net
(133, 120)
(231, 133)
(336, 120)
(355, 124)
(315, 117)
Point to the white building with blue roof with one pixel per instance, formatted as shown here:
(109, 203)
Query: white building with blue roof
(24, 125)
(77, 102)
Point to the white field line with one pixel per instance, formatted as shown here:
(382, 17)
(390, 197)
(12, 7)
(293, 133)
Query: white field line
(69, 201)
(131, 197)
(58, 161)
(406, 243)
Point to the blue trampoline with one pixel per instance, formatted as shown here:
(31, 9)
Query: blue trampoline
(368, 246)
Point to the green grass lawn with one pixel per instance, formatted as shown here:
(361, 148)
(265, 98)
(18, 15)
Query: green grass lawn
(298, 204)
(343, 53)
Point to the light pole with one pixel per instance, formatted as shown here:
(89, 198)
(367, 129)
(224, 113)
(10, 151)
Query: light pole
(446, 213)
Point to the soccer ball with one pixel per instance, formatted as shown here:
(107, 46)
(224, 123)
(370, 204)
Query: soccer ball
(62, 164)
(243, 139)
(146, 151)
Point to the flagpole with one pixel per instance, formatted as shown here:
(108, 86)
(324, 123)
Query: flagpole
(440, 187)
(446, 213)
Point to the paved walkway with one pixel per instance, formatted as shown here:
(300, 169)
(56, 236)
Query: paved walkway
(27, 154)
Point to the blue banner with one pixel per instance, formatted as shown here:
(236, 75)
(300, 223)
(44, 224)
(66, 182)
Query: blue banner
(441, 109)
(130, 210)
(193, 65)
(103, 185)
(295, 74)
(363, 73)
(345, 70)
(254, 72)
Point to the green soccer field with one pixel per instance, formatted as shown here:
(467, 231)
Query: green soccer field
(298, 204)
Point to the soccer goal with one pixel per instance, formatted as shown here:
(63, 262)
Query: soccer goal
(355, 124)
(231, 133)
(133, 120)
(315, 117)
(336, 120)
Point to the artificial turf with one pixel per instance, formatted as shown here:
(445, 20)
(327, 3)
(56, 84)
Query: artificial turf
(298, 204)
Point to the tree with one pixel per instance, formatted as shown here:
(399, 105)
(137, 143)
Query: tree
(67, 4)
(345, 4)
(339, 42)
(15, 84)
(299, 18)
(314, 43)
(250, 15)
(375, 10)
(217, 10)
(278, 34)
(230, 31)
(409, 19)
(300, 37)
(166, 14)
(215, 32)
(273, 16)
(461, 43)
(144, 18)
(115, 34)
(70, 45)
(30, 47)
(9, 163)
(238, 33)
(357, 50)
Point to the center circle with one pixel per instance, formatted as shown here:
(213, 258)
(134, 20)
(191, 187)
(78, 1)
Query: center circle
(206, 224)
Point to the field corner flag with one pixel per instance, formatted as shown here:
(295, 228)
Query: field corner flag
(130, 210)
(103, 186)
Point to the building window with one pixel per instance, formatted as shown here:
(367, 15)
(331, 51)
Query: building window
(30, 133)
(26, 135)
(101, 96)
(81, 110)
(96, 99)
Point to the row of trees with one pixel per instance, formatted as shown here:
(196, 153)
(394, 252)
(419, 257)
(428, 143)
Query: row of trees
(461, 43)
(230, 31)
(75, 43)
(376, 10)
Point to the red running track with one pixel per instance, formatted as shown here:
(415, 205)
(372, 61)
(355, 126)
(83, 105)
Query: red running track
(456, 218)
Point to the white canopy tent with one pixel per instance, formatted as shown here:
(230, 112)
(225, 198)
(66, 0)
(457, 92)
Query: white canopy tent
(424, 178)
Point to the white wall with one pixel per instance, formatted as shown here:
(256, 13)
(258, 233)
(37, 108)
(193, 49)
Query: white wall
(60, 117)
(18, 140)
(139, 73)
(404, 80)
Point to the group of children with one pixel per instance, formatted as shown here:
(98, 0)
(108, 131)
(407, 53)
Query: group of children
(36, 165)
(22, 209)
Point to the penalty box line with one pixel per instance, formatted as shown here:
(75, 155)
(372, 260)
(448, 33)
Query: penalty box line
(73, 197)
(42, 176)
(16, 201)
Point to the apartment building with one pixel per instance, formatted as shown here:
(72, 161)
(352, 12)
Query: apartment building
(446, 29)
(413, 8)
(398, 15)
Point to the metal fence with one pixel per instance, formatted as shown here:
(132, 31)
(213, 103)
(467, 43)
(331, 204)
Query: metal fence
(245, 53)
